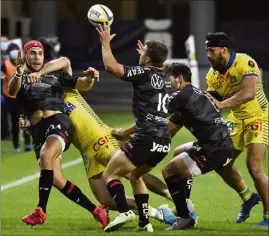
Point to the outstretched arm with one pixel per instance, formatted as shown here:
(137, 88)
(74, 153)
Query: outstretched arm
(110, 63)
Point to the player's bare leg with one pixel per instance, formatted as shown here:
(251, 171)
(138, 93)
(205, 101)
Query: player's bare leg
(101, 193)
(73, 193)
(117, 167)
(175, 174)
(50, 150)
(156, 185)
(234, 179)
(255, 159)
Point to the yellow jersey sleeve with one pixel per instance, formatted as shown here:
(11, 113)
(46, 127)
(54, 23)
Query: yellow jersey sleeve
(248, 66)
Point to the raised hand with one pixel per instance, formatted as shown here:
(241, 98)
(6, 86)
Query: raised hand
(104, 33)
(140, 47)
(33, 78)
(91, 73)
(20, 64)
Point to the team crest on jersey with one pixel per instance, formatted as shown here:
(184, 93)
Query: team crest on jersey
(233, 79)
(157, 81)
(251, 64)
(69, 107)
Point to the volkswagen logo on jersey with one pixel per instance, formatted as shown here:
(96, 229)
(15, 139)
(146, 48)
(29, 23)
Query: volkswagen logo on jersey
(156, 81)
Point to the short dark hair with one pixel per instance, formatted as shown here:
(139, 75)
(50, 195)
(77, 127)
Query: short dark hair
(177, 69)
(220, 38)
(157, 51)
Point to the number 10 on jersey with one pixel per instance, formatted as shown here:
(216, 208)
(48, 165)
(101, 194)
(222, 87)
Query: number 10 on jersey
(163, 102)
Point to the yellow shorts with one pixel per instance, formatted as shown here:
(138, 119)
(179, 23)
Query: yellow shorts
(251, 130)
(95, 158)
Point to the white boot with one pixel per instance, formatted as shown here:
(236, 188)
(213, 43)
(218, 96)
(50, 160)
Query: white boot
(147, 228)
(120, 220)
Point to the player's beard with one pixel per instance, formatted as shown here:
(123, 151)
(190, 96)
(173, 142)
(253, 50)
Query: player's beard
(219, 64)
(31, 69)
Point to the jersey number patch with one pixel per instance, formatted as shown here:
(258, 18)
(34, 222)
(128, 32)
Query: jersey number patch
(163, 102)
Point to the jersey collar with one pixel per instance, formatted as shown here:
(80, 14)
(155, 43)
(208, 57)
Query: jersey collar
(230, 62)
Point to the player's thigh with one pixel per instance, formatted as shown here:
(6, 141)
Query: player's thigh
(182, 148)
(256, 130)
(235, 127)
(91, 164)
(139, 172)
(118, 166)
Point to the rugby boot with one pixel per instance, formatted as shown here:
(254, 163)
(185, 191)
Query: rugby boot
(121, 219)
(264, 223)
(100, 214)
(36, 218)
(182, 223)
(246, 208)
(148, 228)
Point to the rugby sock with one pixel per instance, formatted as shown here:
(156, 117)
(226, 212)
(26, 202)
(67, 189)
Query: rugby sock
(45, 184)
(188, 186)
(116, 191)
(73, 193)
(176, 186)
(246, 194)
(142, 205)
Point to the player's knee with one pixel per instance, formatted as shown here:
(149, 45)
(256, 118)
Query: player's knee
(167, 171)
(45, 159)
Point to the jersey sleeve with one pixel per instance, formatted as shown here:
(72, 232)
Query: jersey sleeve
(248, 67)
(67, 80)
(178, 101)
(133, 73)
(176, 118)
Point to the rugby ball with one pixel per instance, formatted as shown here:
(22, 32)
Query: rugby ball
(99, 14)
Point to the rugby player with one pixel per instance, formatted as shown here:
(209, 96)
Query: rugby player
(234, 82)
(92, 137)
(151, 141)
(43, 103)
(212, 150)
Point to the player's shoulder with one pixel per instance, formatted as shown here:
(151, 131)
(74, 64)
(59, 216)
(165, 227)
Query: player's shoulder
(243, 59)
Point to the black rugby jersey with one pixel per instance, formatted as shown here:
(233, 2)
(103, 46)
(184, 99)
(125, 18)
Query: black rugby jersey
(47, 94)
(150, 99)
(192, 109)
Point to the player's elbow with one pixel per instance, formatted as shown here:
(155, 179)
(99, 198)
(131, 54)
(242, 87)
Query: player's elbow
(109, 68)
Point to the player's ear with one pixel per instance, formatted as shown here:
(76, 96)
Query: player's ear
(147, 59)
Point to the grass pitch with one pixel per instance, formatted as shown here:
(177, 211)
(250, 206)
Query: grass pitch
(217, 205)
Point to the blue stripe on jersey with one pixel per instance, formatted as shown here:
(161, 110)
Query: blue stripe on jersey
(250, 74)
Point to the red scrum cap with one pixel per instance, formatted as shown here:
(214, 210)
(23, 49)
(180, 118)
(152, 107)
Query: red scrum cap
(31, 44)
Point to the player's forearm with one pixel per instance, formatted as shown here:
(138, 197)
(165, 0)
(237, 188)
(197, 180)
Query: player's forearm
(240, 98)
(14, 84)
(130, 130)
(57, 64)
(110, 62)
(84, 83)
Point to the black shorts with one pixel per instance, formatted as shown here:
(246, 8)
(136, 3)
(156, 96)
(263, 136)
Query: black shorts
(59, 125)
(210, 157)
(146, 150)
